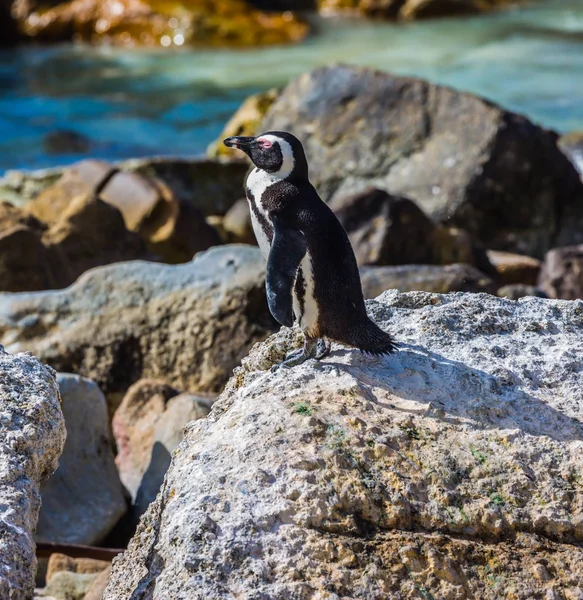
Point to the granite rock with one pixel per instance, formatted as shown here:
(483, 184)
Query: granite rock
(32, 436)
(450, 469)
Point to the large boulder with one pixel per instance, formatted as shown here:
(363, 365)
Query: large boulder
(83, 501)
(465, 161)
(188, 325)
(391, 230)
(32, 436)
(132, 23)
(452, 466)
(425, 278)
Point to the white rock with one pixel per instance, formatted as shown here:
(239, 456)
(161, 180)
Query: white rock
(32, 435)
(452, 467)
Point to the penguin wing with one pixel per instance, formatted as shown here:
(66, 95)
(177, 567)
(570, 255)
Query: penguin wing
(287, 250)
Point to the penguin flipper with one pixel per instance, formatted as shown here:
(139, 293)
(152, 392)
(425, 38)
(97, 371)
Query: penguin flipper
(287, 250)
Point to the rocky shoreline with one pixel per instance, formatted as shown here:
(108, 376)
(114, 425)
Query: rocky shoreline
(445, 471)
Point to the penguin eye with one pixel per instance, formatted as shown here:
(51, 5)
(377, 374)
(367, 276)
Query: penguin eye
(265, 143)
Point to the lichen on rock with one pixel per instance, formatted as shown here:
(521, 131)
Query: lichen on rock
(448, 470)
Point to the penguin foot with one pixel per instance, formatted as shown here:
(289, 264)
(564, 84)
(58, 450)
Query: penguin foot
(313, 348)
(322, 349)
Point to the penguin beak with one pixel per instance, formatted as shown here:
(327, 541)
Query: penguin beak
(238, 141)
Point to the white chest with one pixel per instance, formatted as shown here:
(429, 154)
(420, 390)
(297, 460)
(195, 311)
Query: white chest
(257, 182)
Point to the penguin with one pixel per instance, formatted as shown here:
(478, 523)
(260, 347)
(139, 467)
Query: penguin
(312, 273)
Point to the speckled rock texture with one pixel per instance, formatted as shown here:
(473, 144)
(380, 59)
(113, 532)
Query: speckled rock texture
(32, 436)
(188, 325)
(450, 470)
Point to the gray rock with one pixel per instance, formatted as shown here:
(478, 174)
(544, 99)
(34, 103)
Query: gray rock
(424, 278)
(32, 435)
(391, 230)
(450, 465)
(84, 499)
(515, 291)
(561, 274)
(188, 325)
(465, 161)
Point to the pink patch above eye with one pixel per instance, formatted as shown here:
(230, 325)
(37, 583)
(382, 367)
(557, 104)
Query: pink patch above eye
(265, 143)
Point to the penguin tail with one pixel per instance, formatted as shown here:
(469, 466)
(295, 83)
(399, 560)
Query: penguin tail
(371, 339)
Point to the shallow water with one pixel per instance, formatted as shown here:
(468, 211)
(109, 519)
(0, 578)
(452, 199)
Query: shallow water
(136, 103)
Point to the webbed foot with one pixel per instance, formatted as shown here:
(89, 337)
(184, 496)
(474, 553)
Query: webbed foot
(313, 348)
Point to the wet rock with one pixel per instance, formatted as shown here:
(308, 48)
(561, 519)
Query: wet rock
(148, 23)
(464, 161)
(514, 268)
(515, 291)
(188, 325)
(84, 499)
(64, 141)
(391, 474)
(32, 435)
(246, 121)
(85, 566)
(425, 278)
(392, 230)
(561, 274)
(237, 223)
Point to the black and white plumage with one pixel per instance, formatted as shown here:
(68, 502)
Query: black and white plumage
(311, 269)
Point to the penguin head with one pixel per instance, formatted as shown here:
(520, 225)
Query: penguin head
(277, 152)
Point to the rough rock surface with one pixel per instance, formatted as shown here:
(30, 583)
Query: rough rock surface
(188, 325)
(561, 274)
(32, 435)
(84, 499)
(66, 585)
(450, 470)
(424, 278)
(465, 161)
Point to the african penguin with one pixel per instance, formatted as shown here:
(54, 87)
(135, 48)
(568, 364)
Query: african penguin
(311, 268)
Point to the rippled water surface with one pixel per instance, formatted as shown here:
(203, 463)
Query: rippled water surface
(134, 103)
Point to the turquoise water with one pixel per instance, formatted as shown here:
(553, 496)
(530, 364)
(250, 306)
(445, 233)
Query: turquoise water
(137, 103)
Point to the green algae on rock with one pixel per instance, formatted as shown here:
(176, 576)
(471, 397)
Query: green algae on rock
(163, 23)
